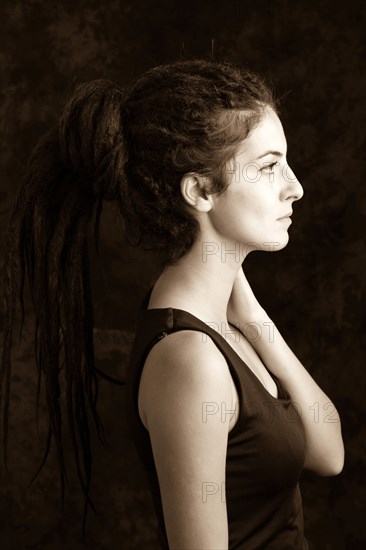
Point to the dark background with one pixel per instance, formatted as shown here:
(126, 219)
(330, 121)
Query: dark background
(314, 54)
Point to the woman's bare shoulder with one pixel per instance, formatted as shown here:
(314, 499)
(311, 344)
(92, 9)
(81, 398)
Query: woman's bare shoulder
(183, 361)
(184, 349)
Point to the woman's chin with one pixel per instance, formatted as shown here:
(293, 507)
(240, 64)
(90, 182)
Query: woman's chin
(277, 244)
(284, 241)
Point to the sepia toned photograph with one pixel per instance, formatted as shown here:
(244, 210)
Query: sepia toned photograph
(182, 350)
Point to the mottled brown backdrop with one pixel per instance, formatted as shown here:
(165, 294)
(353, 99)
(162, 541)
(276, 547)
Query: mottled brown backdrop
(314, 54)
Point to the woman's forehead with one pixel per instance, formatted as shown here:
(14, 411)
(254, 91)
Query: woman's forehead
(265, 138)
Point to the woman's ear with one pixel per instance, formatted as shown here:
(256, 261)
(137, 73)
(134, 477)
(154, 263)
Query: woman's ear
(193, 189)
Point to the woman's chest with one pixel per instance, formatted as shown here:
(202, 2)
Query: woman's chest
(242, 347)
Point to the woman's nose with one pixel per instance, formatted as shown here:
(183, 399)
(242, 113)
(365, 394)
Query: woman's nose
(292, 186)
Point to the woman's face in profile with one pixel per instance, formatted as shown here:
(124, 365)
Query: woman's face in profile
(255, 208)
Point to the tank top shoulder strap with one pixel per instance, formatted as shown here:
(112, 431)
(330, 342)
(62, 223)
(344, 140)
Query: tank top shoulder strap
(155, 323)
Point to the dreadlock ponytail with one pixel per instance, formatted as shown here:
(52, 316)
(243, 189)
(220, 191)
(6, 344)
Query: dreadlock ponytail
(77, 162)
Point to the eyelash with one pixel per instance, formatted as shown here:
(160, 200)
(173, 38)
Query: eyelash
(272, 165)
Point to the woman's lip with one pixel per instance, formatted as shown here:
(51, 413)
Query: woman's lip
(286, 216)
(285, 219)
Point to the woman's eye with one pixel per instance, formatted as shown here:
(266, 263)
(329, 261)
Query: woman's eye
(268, 169)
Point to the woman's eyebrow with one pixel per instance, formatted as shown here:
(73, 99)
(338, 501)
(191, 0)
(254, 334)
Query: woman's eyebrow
(276, 153)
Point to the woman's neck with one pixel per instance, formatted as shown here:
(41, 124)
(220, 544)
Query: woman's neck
(199, 282)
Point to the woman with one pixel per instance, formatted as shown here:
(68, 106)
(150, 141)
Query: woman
(220, 409)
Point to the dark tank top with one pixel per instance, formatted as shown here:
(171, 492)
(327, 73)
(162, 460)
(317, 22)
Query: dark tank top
(265, 450)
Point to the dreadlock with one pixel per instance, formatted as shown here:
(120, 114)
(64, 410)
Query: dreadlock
(47, 233)
(128, 145)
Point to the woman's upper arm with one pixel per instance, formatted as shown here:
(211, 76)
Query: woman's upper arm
(185, 384)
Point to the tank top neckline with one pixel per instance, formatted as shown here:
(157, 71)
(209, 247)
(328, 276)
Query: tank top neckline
(280, 389)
